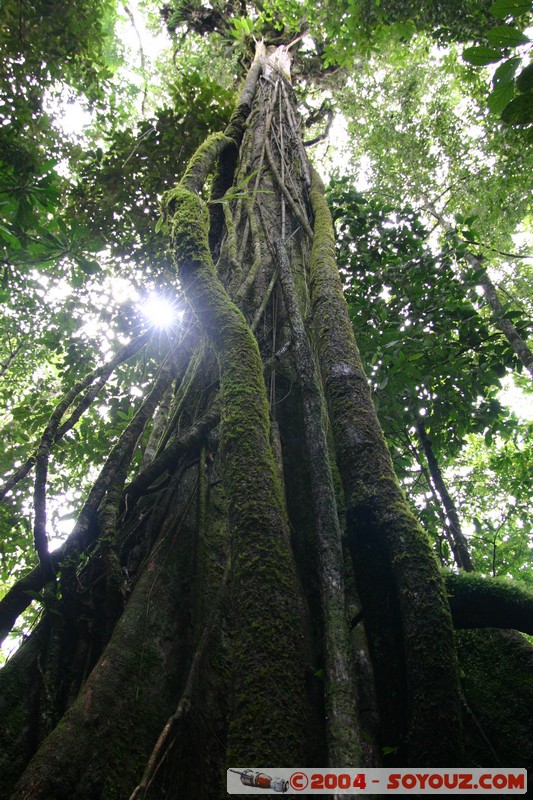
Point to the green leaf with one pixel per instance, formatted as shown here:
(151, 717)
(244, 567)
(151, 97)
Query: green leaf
(524, 81)
(10, 238)
(387, 751)
(89, 266)
(506, 71)
(481, 56)
(519, 111)
(500, 96)
(510, 8)
(505, 36)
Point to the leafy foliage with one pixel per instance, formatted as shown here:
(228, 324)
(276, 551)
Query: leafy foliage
(69, 41)
(512, 94)
(427, 342)
(119, 186)
(492, 491)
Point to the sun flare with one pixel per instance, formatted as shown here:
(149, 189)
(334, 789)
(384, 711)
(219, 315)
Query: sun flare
(160, 312)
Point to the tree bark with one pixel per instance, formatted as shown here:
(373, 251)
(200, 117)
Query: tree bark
(456, 537)
(380, 523)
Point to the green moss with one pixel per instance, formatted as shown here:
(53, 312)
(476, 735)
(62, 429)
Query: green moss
(203, 161)
(266, 664)
(465, 583)
(480, 602)
(382, 530)
(497, 679)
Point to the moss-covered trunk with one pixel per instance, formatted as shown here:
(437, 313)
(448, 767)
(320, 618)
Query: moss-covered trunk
(203, 619)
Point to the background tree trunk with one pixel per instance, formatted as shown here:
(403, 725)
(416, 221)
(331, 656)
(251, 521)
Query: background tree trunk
(454, 531)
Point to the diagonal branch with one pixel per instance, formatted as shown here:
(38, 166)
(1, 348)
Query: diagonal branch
(86, 530)
(458, 540)
(53, 432)
(499, 317)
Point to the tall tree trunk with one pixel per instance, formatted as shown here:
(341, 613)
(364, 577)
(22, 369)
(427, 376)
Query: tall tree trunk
(206, 625)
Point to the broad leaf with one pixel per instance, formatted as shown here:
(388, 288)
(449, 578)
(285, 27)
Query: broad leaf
(481, 56)
(524, 81)
(519, 111)
(505, 36)
(506, 71)
(510, 8)
(89, 266)
(500, 96)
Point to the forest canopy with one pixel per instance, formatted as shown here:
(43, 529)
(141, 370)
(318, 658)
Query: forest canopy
(134, 203)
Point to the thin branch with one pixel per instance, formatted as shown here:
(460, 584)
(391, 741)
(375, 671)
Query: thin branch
(264, 300)
(138, 143)
(298, 39)
(9, 360)
(493, 249)
(323, 136)
(458, 540)
(141, 52)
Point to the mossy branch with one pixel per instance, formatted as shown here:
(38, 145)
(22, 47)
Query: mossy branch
(241, 113)
(478, 602)
(203, 161)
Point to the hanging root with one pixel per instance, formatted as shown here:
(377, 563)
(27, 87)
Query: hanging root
(264, 587)
(344, 745)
